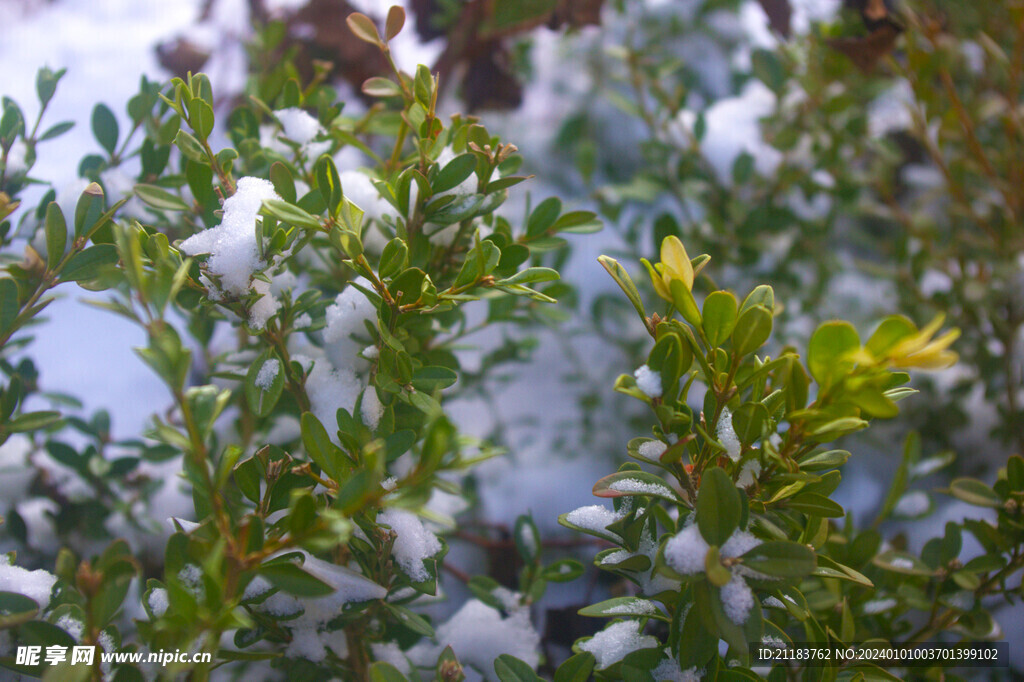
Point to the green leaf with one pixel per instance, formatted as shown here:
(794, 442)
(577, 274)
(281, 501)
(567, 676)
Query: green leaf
(56, 130)
(16, 609)
(293, 579)
(821, 461)
(781, 559)
(974, 492)
(511, 669)
(576, 668)
(563, 571)
(46, 84)
(748, 421)
(363, 28)
(625, 283)
(190, 147)
(200, 117)
(86, 264)
(719, 316)
(263, 396)
(88, 209)
(385, 672)
(530, 276)
(160, 198)
(32, 421)
(56, 235)
(9, 308)
(577, 222)
(393, 258)
(623, 606)
(816, 505)
(543, 217)
(718, 506)
(752, 329)
(288, 213)
(625, 483)
(104, 127)
(394, 23)
(453, 174)
(829, 351)
(328, 182)
(318, 445)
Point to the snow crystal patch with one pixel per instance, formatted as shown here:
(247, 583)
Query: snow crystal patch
(686, 551)
(414, 543)
(371, 409)
(615, 641)
(773, 602)
(360, 191)
(776, 642)
(329, 389)
(36, 585)
(900, 562)
(345, 317)
(389, 652)
(648, 381)
(593, 517)
(299, 126)
(638, 607)
(669, 671)
(528, 538)
(72, 626)
(634, 485)
(389, 483)
(265, 307)
(234, 255)
(616, 557)
(303, 321)
(749, 472)
(479, 634)
(192, 579)
(737, 599)
(268, 372)
(158, 601)
(652, 449)
(739, 543)
(727, 435)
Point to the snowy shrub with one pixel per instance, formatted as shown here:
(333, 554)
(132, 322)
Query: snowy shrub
(866, 157)
(302, 291)
(724, 528)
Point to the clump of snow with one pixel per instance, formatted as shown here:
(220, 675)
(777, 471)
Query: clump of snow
(652, 449)
(776, 642)
(389, 483)
(636, 607)
(191, 578)
(685, 552)
(371, 409)
(414, 543)
(878, 606)
(303, 321)
(39, 513)
(737, 599)
(528, 537)
(733, 127)
(389, 652)
(360, 191)
(158, 601)
(264, 307)
(71, 625)
(268, 372)
(371, 352)
(749, 472)
(914, 503)
(635, 485)
(773, 602)
(727, 435)
(616, 557)
(36, 585)
(669, 671)
(328, 389)
(297, 126)
(738, 544)
(346, 317)
(593, 517)
(648, 381)
(616, 641)
(310, 639)
(900, 562)
(234, 255)
(479, 634)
